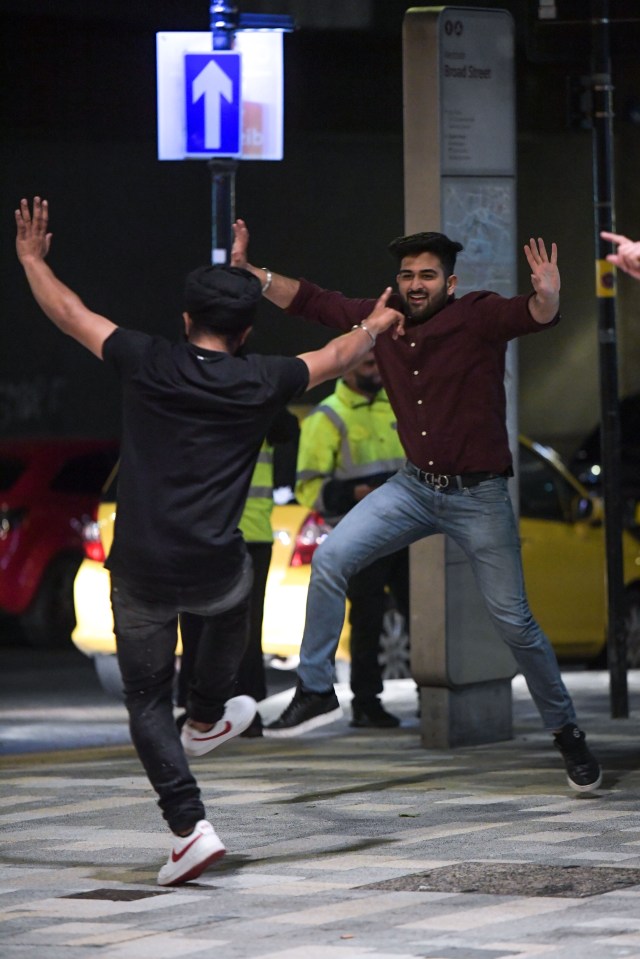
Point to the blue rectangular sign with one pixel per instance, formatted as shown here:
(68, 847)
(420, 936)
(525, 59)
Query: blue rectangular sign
(213, 103)
(261, 81)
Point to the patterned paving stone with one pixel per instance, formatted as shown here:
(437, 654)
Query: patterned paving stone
(327, 837)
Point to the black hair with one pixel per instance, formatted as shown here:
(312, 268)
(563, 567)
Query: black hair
(437, 243)
(222, 298)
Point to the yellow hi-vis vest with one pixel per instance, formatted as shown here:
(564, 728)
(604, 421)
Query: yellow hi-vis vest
(346, 437)
(255, 522)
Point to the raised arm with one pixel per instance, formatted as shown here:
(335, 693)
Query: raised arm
(60, 304)
(545, 280)
(346, 351)
(627, 256)
(279, 289)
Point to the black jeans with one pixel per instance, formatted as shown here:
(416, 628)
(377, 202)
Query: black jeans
(251, 679)
(367, 595)
(146, 634)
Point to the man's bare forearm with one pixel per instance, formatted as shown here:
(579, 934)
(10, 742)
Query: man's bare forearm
(279, 289)
(55, 299)
(65, 308)
(346, 351)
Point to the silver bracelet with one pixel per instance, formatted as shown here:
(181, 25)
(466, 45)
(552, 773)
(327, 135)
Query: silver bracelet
(363, 326)
(267, 282)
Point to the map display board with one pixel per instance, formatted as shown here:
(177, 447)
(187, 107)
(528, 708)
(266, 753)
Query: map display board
(480, 213)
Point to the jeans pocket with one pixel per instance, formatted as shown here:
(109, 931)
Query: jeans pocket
(492, 492)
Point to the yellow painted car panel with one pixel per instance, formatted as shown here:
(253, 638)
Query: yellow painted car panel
(563, 553)
(286, 593)
(283, 622)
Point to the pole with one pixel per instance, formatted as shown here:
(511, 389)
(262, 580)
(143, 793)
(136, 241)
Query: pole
(223, 207)
(602, 141)
(224, 23)
(223, 18)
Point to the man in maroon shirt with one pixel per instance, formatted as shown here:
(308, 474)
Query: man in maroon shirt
(445, 380)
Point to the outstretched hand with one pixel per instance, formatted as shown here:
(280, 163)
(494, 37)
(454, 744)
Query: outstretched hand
(627, 256)
(32, 239)
(383, 317)
(240, 244)
(545, 276)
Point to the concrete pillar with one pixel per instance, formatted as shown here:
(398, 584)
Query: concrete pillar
(459, 162)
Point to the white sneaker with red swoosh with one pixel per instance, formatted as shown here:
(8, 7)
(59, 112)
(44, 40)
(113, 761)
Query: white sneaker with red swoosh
(191, 855)
(238, 715)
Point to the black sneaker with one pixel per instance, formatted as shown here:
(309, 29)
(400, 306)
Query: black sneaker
(254, 730)
(305, 711)
(583, 769)
(371, 713)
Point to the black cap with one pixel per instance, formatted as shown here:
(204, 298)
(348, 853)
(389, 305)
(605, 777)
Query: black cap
(223, 298)
(436, 243)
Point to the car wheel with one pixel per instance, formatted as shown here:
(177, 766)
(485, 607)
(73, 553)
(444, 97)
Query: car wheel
(50, 619)
(394, 656)
(632, 625)
(108, 672)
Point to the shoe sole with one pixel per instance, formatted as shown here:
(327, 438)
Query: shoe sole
(323, 720)
(195, 871)
(589, 787)
(203, 748)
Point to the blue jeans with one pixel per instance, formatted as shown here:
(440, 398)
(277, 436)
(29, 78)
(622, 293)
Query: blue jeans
(146, 635)
(481, 521)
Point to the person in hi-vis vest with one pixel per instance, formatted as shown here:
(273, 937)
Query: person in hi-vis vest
(255, 525)
(348, 446)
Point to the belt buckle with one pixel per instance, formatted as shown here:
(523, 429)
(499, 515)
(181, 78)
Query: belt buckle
(439, 481)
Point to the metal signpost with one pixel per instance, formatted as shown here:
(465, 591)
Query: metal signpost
(220, 99)
(608, 355)
(562, 17)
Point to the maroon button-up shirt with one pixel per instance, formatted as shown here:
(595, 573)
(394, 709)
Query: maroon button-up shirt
(445, 377)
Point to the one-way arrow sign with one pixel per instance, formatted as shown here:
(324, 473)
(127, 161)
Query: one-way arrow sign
(213, 103)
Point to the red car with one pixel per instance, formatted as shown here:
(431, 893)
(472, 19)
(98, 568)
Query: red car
(48, 490)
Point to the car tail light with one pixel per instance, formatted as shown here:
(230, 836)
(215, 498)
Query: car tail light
(313, 531)
(91, 541)
(10, 520)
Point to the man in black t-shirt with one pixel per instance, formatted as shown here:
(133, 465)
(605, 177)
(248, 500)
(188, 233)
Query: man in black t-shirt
(194, 417)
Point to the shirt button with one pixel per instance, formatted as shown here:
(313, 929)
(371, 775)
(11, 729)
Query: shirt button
(424, 432)
(419, 402)
(430, 462)
(412, 344)
(415, 372)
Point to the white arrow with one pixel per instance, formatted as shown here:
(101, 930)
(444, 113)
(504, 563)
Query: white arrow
(212, 83)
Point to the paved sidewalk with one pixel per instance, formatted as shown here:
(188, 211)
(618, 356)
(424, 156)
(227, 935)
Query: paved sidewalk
(344, 844)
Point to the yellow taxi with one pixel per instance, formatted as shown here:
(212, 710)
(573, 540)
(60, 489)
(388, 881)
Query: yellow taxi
(562, 534)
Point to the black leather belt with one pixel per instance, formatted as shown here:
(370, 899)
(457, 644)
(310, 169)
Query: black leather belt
(447, 483)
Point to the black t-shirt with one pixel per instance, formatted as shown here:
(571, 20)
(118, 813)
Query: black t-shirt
(193, 424)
